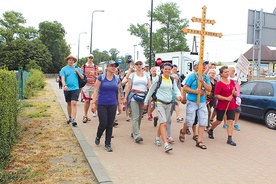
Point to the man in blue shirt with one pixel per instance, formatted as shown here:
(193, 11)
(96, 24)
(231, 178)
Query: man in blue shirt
(190, 87)
(69, 77)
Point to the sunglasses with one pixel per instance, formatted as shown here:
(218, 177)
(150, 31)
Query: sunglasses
(90, 57)
(113, 65)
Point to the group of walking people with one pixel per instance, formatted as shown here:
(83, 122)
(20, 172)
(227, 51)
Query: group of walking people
(145, 91)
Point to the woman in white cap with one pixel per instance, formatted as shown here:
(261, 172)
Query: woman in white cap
(139, 82)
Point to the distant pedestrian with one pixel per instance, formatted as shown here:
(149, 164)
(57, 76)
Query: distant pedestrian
(91, 71)
(69, 76)
(224, 92)
(106, 98)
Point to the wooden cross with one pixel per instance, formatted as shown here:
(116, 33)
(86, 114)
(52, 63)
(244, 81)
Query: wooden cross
(202, 34)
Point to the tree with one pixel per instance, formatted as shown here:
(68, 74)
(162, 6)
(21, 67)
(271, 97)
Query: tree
(169, 37)
(52, 34)
(114, 52)
(19, 44)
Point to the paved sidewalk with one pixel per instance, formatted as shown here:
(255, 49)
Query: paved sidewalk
(251, 161)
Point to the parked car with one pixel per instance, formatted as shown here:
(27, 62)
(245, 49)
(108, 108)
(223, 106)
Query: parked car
(271, 75)
(258, 100)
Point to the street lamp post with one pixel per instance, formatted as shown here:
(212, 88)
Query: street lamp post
(92, 28)
(79, 44)
(134, 53)
(151, 11)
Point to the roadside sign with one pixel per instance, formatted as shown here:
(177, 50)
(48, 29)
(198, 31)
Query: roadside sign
(243, 64)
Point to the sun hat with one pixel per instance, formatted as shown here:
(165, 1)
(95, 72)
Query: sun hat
(71, 57)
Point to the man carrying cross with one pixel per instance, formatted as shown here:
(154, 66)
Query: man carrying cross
(192, 107)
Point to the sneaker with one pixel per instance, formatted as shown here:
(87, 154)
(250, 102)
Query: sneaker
(115, 124)
(225, 126)
(155, 119)
(237, 127)
(157, 142)
(170, 140)
(150, 118)
(232, 143)
(138, 139)
(108, 148)
(210, 134)
(167, 148)
(69, 120)
(127, 118)
(94, 114)
(74, 123)
(97, 141)
(178, 119)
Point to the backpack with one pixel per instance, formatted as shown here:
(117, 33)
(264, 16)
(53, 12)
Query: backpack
(82, 82)
(154, 98)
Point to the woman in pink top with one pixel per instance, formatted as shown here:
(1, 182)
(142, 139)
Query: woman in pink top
(226, 105)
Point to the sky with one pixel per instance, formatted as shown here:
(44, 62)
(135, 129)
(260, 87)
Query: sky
(110, 27)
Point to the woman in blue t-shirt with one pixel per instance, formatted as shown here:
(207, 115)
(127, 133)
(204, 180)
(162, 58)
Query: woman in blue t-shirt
(106, 97)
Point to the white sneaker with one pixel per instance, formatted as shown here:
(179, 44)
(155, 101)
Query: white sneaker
(157, 142)
(94, 114)
(167, 147)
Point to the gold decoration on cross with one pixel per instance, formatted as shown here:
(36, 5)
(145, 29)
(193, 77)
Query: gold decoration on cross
(202, 34)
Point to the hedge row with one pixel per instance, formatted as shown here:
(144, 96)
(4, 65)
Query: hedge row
(8, 115)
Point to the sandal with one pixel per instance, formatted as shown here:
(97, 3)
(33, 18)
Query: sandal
(181, 136)
(200, 145)
(188, 132)
(195, 137)
(85, 119)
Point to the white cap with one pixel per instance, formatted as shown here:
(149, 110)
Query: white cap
(90, 55)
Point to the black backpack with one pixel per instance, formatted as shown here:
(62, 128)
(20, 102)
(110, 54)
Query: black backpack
(154, 98)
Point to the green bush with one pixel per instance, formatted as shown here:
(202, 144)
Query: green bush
(34, 83)
(8, 115)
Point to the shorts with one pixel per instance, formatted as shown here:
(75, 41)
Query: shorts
(238, 110)
(71, 95)
(193, 109)
(87, 92)
(230, 114)
(164, 112)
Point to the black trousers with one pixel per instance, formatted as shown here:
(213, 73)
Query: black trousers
(106, 114)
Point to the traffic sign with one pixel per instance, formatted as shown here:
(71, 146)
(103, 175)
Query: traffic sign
(119, 60)
(158, 61)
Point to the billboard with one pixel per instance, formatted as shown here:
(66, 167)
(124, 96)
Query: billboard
(267, 25)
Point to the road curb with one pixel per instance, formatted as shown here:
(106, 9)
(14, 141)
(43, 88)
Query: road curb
(94, 163)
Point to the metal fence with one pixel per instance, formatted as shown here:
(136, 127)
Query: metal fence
(21, 77)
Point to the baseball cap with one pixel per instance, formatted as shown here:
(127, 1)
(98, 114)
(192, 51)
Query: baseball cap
(138, 62)
(90, 55)
(111, 62)
(197, 62)
(146, 65)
